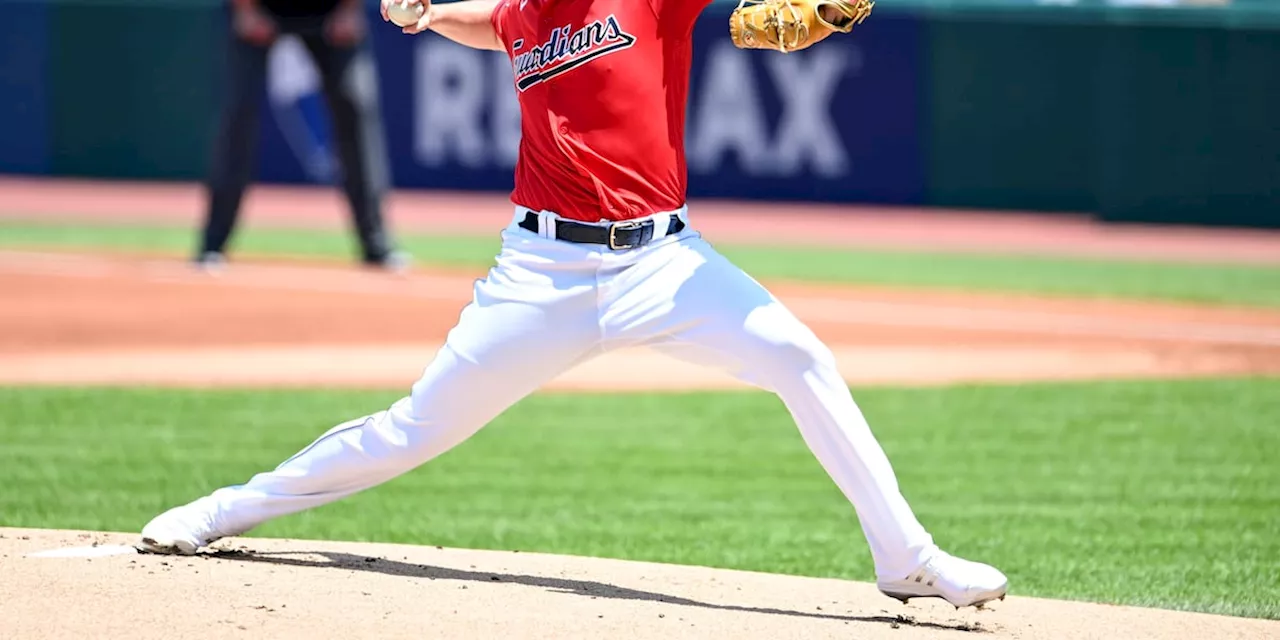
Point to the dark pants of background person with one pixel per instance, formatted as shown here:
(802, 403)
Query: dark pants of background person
(350, 86)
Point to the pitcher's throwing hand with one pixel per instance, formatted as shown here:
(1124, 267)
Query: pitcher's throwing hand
(411, 15)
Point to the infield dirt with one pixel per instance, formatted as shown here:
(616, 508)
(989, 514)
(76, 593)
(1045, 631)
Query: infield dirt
(92, 319)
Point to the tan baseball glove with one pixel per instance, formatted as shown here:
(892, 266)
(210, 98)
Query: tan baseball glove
(792, 25)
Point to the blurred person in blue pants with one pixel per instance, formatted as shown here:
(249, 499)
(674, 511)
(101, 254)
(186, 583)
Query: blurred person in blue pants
(335, 34)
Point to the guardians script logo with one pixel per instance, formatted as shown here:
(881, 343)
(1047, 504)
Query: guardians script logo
(567, 49)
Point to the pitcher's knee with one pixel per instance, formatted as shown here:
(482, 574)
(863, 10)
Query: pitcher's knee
(795, 356)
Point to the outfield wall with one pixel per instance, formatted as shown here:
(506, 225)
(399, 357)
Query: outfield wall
(1131, 113)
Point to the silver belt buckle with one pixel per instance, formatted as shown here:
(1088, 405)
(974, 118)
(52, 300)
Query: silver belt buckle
(613, 233)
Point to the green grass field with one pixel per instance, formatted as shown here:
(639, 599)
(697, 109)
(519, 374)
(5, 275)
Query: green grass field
(1148, 493)
(1220, 284)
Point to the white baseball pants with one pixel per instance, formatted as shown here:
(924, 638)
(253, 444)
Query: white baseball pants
(548, 305)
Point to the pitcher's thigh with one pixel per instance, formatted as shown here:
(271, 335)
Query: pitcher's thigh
(724, 318)
(501, 350)
(767, 348)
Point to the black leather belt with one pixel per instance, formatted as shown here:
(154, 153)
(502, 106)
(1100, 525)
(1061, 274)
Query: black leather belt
(628, 234)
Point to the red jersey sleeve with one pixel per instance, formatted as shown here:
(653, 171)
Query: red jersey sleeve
(498, 19)
(678, 16)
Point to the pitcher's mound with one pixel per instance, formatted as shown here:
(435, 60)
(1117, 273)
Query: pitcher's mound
(70, 584)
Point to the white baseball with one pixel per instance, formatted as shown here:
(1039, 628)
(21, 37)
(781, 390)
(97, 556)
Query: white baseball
(403, 14)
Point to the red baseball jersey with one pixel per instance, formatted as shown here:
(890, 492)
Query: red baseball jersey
(603, 86)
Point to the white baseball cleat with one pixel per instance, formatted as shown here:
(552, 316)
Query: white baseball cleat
(956, 580)
(182, 530)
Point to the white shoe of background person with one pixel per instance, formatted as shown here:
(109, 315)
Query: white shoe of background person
(211, 262)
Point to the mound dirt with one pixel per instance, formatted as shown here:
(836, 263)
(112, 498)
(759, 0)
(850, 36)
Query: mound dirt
(281, 589)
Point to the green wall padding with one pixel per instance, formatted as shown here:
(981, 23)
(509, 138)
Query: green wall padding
(1190, 131)
(134, 89)
(1011, 115)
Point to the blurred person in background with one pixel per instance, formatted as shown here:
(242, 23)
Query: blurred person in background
(335, 33)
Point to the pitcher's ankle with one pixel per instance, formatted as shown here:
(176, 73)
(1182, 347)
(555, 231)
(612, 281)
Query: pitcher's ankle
(907, 562)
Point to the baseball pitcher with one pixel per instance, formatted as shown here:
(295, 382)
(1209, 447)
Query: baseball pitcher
(601, 254)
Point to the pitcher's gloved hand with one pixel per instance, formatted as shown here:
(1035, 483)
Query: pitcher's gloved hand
(792, 25)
